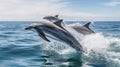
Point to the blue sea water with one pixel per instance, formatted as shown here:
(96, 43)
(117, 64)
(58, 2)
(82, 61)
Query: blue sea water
(21, 48)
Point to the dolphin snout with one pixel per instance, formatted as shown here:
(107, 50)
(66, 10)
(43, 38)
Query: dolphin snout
(33, 26)
(28, 28)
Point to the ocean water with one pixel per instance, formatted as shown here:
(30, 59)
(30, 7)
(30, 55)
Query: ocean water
(22, 48)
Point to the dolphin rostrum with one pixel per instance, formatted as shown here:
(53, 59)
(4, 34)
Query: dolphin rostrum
(51, 30)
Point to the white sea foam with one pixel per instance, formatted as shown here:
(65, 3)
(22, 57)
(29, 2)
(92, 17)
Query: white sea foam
(101, 49)
(95, 42)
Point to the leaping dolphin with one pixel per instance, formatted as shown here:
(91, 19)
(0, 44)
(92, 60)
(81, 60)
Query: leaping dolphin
(85, 29)
(52, 18)
(51, 30)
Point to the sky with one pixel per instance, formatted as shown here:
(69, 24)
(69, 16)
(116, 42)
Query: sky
(78, 10)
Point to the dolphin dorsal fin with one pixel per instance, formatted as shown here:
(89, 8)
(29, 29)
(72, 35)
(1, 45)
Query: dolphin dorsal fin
(87, 25)
(59, 23)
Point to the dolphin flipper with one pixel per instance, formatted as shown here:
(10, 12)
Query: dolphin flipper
(41, 34)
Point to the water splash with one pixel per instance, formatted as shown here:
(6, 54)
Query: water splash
(95, 42)
(101, 50)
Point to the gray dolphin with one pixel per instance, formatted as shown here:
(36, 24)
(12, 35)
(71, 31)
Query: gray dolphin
(47, 29)
(55, 20)
(85, 29)
(52, 18)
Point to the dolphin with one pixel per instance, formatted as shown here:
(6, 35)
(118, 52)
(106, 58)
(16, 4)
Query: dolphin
(85, 29)
(51, 18)
(48, 30)
(55, 20)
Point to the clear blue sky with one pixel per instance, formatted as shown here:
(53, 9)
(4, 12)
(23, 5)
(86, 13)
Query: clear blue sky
(94, 10)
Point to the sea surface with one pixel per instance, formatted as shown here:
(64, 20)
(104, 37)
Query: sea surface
(24, 48)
